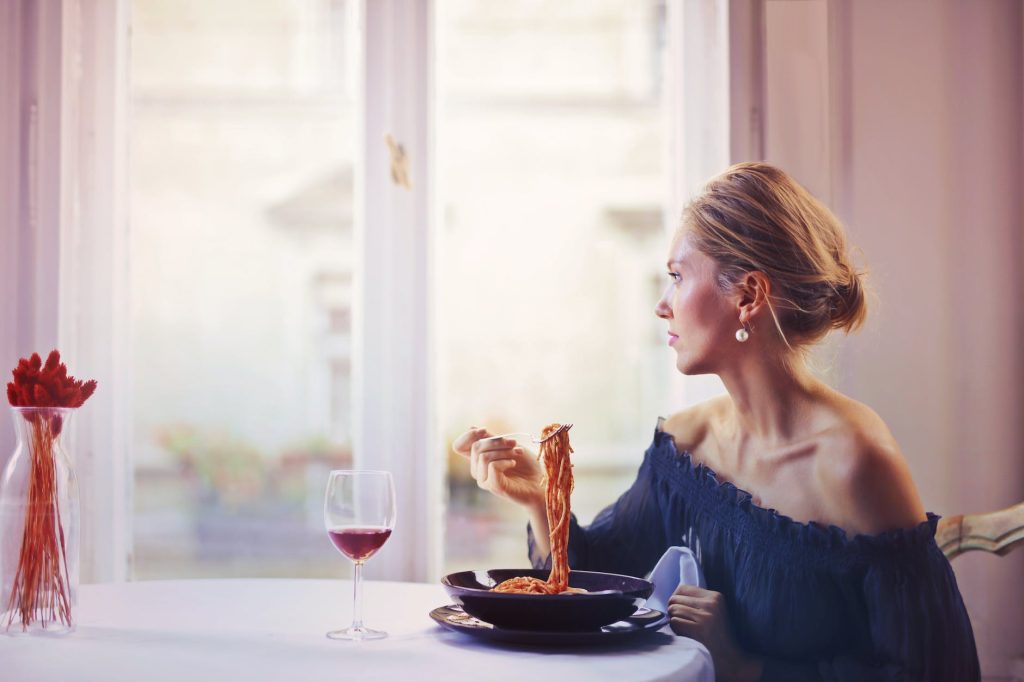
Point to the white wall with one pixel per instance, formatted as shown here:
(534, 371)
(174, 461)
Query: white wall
(925, 152)
(29, 212)
(9, 204)
(59, 118)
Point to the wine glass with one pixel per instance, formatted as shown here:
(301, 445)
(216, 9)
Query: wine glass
(359, 513)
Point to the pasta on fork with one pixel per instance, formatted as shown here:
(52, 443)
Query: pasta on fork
(559, 484)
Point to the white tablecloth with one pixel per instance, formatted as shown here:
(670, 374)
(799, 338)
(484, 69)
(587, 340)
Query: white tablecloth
(256, 630)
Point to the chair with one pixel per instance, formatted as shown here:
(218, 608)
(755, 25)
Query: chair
(999, 532)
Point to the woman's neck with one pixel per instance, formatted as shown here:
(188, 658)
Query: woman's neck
(772, 400)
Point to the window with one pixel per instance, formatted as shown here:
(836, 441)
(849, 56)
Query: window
(278, 274)
(241, 214)
(552, 158)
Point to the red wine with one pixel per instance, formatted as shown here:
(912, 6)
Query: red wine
(359, 544)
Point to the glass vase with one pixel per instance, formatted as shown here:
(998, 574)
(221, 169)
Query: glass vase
(39, 527)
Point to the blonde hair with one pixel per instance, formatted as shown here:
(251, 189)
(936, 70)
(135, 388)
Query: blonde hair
(754, 217)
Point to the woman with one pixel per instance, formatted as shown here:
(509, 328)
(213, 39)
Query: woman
(819, 558)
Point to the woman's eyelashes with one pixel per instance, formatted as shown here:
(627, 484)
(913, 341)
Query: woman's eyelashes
(674, 276)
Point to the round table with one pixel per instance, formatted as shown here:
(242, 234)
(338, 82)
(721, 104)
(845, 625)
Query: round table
(255, 630)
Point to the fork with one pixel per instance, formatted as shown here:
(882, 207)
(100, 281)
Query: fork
(534, 439)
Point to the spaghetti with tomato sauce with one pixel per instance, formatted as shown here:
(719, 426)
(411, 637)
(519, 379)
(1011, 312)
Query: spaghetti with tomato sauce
(559, 484)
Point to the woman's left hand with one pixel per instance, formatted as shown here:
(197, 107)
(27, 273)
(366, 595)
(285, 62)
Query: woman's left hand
(702, 615)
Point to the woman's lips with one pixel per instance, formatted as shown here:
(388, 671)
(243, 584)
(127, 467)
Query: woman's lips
(671, 338)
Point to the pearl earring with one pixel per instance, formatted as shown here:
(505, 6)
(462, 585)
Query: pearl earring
(742, 334)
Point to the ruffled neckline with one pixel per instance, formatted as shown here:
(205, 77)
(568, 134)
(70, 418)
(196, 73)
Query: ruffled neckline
(734, 506)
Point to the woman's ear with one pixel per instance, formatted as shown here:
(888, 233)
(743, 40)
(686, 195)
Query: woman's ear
(753, 292)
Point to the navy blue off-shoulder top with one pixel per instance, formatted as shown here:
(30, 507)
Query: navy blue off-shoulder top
(815, 603)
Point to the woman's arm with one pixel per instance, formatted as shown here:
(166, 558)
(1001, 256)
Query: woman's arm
(539, 533)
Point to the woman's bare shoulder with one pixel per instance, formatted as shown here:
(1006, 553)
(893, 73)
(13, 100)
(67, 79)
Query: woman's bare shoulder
(863, 472)
(689, 427)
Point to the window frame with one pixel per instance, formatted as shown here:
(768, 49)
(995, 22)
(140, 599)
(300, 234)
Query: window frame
(393, 359)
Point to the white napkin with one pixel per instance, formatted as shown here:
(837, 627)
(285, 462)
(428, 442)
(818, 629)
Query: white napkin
(676, 566)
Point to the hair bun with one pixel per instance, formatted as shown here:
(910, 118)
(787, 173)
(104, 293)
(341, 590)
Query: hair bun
(849, 307)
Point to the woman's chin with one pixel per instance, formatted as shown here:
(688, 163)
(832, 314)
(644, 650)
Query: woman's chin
(691, 366)
(684, 365)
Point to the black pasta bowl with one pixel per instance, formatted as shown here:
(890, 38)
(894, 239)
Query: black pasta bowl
(609, 597)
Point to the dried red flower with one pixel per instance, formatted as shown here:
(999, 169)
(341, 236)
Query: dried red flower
(46, 385)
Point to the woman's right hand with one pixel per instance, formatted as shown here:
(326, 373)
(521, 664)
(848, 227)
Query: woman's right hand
(501, 467)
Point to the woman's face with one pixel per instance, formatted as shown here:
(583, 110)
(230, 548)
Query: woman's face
(702, 320)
